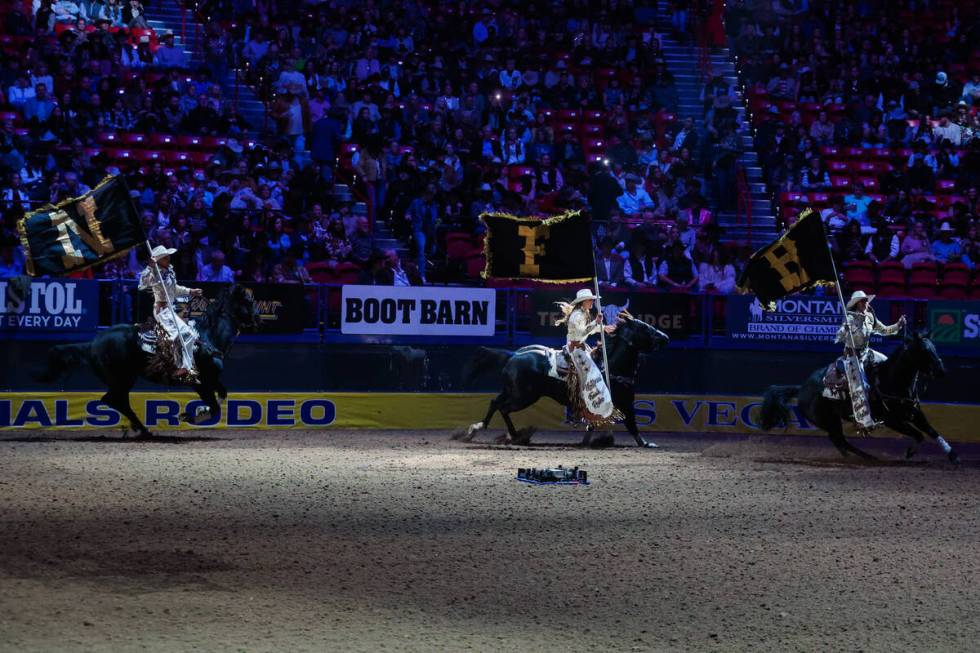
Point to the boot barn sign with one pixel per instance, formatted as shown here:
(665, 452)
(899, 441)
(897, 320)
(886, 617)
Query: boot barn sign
(49, 305)
(415, 311)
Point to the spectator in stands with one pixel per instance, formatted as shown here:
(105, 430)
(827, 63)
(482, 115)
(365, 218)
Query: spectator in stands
(815, 177)
(337, 246)
(971, 246)
(424, 214)
(850, 242)
(686, 234)
(882, 246)
(642, 265)
(133, 14)
(634, 201)
(168, 55)
(717, 274)
(916, 247)
(782, 86)
(394, 271)
(216, 270)
(677, 272)
(290, 270)
(945, 248)
(822, 130)
(362, 242)
(11, 258)
(856, 204)
(610, 266)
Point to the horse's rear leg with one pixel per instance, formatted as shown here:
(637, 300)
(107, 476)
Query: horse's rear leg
(919, 419)
(119, 400)
(471, 430)
(836, 433)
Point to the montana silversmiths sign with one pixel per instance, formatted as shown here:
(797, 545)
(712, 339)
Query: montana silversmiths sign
(415, 311)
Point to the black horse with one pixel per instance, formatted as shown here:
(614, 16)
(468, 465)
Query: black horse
(118, 359)
(893, 398)
(526, 378)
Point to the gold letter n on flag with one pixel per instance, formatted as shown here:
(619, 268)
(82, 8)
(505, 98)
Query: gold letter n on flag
(790, 279)
(532, 250)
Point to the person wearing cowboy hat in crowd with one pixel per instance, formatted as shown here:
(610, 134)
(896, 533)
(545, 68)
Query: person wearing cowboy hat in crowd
(163, 286)
(860, 324)
(947, 249)
(580, 323)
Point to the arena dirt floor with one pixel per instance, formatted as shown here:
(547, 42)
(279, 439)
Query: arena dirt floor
(357, 541)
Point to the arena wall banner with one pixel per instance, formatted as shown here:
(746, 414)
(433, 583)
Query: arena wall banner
(414, 411)
(675, 315)
(49, 305)
(282, 307)
(416, 311)
(796, 319)
(955, 323)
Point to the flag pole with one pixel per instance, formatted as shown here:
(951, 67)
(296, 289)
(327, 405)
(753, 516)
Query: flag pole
(855, 362)
(156, 268)
(602, 331)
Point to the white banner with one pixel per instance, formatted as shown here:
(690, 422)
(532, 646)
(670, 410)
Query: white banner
(417, 311)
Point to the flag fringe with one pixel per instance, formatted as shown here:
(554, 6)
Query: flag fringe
(47, 208)
(555, 219)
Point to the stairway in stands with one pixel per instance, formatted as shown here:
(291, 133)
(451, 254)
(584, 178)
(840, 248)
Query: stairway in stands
(165, 16)
(683, 63)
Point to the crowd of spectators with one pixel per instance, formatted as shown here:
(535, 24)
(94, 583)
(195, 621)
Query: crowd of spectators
(868, 111)
(421, 124)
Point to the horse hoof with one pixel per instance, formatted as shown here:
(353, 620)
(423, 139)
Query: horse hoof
(145, 434)
(954, 457)
(649, 445)
(909, 453)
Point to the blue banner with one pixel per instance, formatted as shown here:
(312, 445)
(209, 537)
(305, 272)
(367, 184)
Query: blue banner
(49, 305)
(796, 319)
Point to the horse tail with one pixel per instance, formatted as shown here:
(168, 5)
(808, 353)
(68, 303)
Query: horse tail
(62, 359)
(775, 405)
(485, 358)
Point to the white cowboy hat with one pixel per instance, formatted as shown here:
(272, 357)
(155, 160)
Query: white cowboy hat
(859, 295)
(583, 295)
(160, 251)
(945, 227)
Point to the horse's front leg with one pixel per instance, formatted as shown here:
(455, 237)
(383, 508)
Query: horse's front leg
(206, 393)
(919, 419)
(905, 428)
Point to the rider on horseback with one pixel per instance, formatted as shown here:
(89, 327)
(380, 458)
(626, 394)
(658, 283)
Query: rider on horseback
(860, 323)
(162, 281)
(589, 395)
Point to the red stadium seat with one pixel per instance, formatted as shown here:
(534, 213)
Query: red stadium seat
(956, 292)
(475, 263)
(891, 289)
(956, 274)
(891, 272)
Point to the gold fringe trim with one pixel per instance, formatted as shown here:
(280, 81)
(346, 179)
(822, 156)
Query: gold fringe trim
(555, 219)
(48, 208)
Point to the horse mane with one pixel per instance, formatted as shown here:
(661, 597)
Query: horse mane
(215, 309)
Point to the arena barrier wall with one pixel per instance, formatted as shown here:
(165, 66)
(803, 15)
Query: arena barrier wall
(412, 411)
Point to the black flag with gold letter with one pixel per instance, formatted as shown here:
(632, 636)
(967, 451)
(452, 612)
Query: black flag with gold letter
(556, 249)
(797, 260)
(82, 231)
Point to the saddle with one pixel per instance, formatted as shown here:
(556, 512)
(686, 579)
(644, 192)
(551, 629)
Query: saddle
(155, 342)
(559, 363)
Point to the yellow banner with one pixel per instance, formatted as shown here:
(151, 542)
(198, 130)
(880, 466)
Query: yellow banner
(159, 411)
